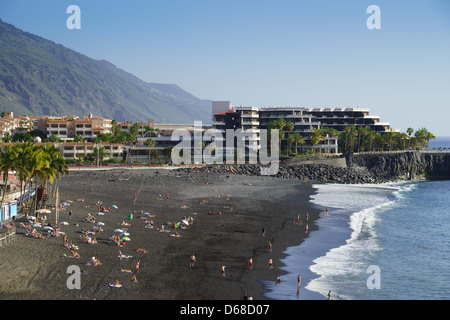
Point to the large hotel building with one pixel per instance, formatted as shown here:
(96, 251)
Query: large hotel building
(305, 120)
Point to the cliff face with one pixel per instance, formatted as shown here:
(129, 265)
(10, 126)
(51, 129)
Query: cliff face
(405, 166)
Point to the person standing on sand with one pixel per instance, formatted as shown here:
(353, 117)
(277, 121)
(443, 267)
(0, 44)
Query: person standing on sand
(299, 280)
(270, 246)
(192, 261)
(250, 263)
(270, 264)
(223, 271)
(137, 266)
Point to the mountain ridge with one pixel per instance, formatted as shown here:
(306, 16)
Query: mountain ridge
(41, 77)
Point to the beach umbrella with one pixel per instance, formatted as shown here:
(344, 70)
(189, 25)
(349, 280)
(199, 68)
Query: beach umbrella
(126, 239)
(146, 213)
(65, 204)
(48, 228)
(114, 206)
(118, 230)
(124, 234)
(31, 218)
(64, 223)
(100, 224)
(100, 214)
(36, 225)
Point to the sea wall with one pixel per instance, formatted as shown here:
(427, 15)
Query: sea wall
(361, 168)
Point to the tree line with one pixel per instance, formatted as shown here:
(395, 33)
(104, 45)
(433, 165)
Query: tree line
(353, 138)
(31, 161)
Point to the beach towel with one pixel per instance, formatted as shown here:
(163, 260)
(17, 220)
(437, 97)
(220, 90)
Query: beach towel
(115, 285)
(125, 270)
(91, 264)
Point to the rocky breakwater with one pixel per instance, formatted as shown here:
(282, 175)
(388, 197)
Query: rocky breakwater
(361, 168)
(315, 172)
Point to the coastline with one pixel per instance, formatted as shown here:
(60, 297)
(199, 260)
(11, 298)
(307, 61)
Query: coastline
(34, 269)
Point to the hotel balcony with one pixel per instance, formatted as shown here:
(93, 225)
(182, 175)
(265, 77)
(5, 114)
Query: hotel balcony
(252, 115)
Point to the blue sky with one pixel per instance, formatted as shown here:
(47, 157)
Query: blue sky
(315, 53)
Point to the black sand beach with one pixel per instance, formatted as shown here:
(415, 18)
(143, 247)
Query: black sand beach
(36, 269)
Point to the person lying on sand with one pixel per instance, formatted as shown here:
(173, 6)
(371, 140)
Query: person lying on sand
(90, 240)
(94, 262)
(74, 254)
(123, 256)
(123, 223)
(140, 250)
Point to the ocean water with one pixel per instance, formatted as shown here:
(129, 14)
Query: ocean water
(440, 142)
(378, 242)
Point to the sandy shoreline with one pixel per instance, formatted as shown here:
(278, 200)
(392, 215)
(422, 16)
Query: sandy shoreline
(35, 269)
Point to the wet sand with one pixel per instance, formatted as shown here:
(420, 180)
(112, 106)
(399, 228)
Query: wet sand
(36, 269)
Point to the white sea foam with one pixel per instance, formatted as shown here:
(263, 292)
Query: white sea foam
(357, 207)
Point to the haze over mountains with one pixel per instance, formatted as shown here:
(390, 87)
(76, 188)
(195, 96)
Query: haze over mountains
(40, 77)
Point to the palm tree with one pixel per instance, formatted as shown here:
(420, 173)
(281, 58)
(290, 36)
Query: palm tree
(362, 133)
(7, 137)
(168, 152)
(402, 137)
(317, 137)
(78, 138)
(7, 163)
(409, 131)
(421, 135)
(38, 165)
(289, 126)
(429, 136)
(298, 140)
(24, 152)
(57, 164)
(348, 138)
(370, 138)
(290, 141)
(100, 153)
(389, 138)
(155, 154)
(149, 142)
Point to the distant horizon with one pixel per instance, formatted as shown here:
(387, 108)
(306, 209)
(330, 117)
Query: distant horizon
(259, 53)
